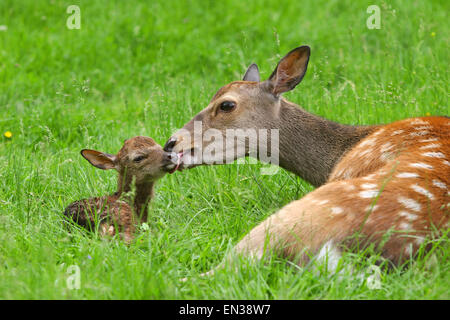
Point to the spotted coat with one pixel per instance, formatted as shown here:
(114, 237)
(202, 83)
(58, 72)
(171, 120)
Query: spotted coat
(391, 190)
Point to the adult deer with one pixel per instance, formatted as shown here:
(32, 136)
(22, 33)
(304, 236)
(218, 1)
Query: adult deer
(371, 179)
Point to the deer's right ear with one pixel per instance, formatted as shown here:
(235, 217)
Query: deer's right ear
(99, 159)
(289, 71)
(252, 73)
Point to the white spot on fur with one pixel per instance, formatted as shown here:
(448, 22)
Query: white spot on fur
(423, 128)
(405, 226)
(422, 191)
(386, 156)
(419, 121)
(419, 133)
(446, 162)
(409, 249)
(330, 255)
(372, 208)
(323, 202)
(368, 185)
(386, 147)
(421, 165)
(439, 184)
(408, 215)
(367, 142)
(407, 175)
(430, 146)
(337, 210)
(365, 152)
(419, 240)
(349, 186)
(397, 132)
(429, 140)
(410, 204)
(369, 177)
(368, 194)
(434, 154)
(378, 132)
(348, 173)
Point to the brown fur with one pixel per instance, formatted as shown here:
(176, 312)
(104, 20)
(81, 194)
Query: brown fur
(108, 213)
(305, 225)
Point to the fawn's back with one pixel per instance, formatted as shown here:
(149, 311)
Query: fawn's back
(111, 215)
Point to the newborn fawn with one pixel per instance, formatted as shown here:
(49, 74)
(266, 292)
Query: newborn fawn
(141, 161)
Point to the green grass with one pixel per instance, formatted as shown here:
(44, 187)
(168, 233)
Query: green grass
(138, 68)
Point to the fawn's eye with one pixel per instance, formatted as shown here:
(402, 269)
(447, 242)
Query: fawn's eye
(227, 106)
(139, 158)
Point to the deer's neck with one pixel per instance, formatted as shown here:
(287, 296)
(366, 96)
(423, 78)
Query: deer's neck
(142, 196)
(311, 146)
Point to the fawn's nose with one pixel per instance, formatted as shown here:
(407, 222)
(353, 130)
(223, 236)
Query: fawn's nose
(168, 147)
(170, 157)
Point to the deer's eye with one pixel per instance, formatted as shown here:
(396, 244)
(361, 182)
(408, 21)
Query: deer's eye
(139, 158)
(227, 106)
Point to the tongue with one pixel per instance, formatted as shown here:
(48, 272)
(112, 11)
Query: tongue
(178, 162)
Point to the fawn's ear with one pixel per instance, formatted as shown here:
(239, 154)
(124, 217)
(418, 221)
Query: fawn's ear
(289, 71)
(99, 159)
(252, 73)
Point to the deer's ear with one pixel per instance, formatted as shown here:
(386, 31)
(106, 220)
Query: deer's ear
(289, 71)
(99, 159)
(252, 73)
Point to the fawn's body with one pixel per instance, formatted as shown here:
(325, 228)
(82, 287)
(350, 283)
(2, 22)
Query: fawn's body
(113, 216)
(373, 181)
(141, 161)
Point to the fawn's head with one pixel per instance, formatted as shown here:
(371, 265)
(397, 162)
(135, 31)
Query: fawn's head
(139, 157)
(240, 105)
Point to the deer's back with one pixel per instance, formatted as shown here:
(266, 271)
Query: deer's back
(421, 145)
(391, 189)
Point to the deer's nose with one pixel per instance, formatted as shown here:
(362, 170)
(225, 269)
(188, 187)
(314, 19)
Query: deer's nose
(168, 147)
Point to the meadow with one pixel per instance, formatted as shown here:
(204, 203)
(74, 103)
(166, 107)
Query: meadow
(145, 68)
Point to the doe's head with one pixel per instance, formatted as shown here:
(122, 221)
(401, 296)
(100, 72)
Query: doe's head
(240, 105)
(139, 157)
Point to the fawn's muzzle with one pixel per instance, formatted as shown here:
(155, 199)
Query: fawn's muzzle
(170, 161)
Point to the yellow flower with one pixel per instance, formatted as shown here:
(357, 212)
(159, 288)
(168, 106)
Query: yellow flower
(433, 34)
(428, 114)
(8, 134)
